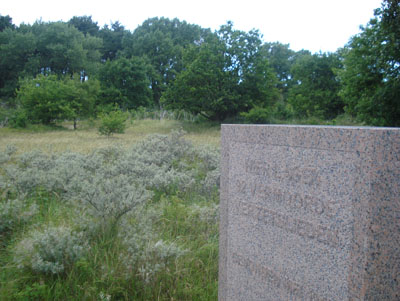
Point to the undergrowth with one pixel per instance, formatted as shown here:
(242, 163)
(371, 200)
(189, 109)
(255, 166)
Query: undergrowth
(115, 224)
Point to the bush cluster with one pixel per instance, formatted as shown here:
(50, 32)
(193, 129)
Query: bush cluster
(112, 123)
(51, 251)
(109, 191)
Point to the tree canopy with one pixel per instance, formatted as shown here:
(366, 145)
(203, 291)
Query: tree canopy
(227, 74)
(124, 82)
(47, 98)
(371, 74)
(315, 87)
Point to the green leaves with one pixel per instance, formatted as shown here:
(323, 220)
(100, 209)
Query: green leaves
(371, 74)
(315, 89)
(47, 99)
(223, 76)
(162, 42)
(124, 81)
(112, 122)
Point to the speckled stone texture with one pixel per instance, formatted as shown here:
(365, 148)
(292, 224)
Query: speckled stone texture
(309, 213)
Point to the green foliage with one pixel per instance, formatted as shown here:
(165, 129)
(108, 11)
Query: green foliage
(19, 119)
(44, 48)
(34, 291)
(170, 64)
(316, 88)
(5, 115)
(162, 41)
(6, 22)
(63, 49)
(85, 24)
(112, 40)
(149, 245)
(227, 74)
(371, 77)
(203, 87)
(13, 213)
(51, 251)
(48, 99)
(257, 115)
(281, 59)
(124, 82)
(113, 122)
(282, 111)
(17, 58)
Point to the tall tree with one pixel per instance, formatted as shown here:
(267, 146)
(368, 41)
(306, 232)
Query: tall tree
(223, 76)
(371, 74)
(62, 49)
(48, 99)
(6, 22)
(281, 59)
(316, 88)
(54, 47)
(85, 24)
(124, 81)
(162, 41)
(17, 59)
(112, 40)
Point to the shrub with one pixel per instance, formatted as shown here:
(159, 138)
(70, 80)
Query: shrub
(112, 122)
(156, 257)
(144, 253)
(166, 164)
(107, 190)
(52, 251)
(15, 212)
(107, 199)
(257, 115)
(47, 99)
(19, 119)
(4, 115)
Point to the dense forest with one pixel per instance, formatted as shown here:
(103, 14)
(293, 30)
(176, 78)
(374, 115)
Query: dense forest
(52, 71)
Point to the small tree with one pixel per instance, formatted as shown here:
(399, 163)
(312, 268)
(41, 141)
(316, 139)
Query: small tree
(48, 99)
(112, 122)
(125, 82)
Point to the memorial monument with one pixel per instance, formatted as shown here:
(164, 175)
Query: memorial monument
(309, 213)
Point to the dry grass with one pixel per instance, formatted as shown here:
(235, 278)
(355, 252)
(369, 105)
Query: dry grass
(86, 138)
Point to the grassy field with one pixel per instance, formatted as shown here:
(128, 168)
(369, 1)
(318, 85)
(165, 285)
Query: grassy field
(86, 138)
(56, 244)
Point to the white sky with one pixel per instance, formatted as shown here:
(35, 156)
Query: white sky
(304, 24)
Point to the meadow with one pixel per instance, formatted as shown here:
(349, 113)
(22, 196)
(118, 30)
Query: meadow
(130, 217)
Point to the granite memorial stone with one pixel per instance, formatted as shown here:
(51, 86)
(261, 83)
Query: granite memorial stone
(309, 213)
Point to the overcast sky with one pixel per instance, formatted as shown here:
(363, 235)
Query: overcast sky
(304, 24)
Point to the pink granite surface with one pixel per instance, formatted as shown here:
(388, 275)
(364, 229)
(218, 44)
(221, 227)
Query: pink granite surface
(309, 213)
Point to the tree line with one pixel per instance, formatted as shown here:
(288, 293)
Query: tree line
(53, 71)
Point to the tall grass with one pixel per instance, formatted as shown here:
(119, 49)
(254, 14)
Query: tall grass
(163, 248)
(86, 138)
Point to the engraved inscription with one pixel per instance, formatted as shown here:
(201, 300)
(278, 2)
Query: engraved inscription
(294, 174)
(308, 203)
(294, 289)
(293, 225)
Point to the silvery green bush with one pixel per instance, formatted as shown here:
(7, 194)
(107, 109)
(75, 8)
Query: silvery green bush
(156, 257)
(144, 253)
(207, 213)
(50, 251)
(15, 212)
(166, 163)
(109, 188)
(109, 198)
